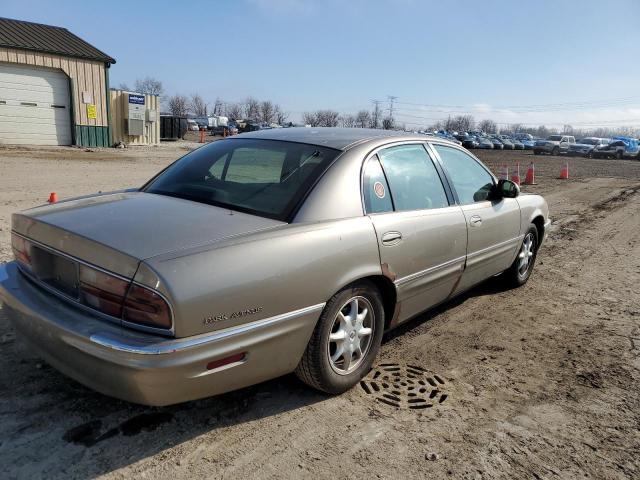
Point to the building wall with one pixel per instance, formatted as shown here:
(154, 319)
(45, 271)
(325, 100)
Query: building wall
(118, 104)
(85, 76)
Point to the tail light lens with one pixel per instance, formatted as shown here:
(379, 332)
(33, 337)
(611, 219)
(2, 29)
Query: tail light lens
(122, 299)
(107, 293)
(102, 291)
(21, 250)
(145, 307)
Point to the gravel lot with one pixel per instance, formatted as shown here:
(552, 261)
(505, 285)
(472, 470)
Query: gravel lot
(540, 382)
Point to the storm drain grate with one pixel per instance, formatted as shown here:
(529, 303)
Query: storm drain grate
(404, 386)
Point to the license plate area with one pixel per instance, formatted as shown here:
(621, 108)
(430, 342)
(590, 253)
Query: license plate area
(56, 271)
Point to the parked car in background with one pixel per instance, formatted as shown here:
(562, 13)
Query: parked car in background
(278, 251)
(523, 136)
(485, 143)
(506, 141)
(497, 143)
(585, 146)
(517, 144)
(470, 142)
(192, 125)
(554, 144)
(620, 147)
(528, 143)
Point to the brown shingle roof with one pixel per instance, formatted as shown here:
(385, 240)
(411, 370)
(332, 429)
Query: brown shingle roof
(47, 38)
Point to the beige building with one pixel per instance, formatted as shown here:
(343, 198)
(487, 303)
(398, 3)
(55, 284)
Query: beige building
(54, 87)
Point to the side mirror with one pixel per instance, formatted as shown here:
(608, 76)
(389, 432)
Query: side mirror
(506, 189)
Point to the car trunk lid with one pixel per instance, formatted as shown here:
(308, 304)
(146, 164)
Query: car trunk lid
(116, 231)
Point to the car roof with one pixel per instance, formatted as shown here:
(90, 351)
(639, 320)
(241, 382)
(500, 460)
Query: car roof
(337, 138)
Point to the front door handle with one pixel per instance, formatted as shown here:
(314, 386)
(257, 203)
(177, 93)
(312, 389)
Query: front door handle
(391, 238)
(475, 220)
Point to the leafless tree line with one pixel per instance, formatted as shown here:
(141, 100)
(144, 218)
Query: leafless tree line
(264, 111)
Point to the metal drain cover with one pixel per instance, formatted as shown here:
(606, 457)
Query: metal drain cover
(404, 386)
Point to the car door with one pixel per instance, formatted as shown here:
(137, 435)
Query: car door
(493, 226)
(421, 233)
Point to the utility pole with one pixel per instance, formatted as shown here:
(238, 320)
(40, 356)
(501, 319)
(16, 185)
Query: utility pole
(375, 115)
(392, 99)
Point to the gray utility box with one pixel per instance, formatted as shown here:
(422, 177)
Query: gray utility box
(135, 127)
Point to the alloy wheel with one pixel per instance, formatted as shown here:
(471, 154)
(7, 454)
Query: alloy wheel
(351, 335)
(526, 254)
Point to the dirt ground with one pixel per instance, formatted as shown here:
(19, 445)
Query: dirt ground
(538, 382)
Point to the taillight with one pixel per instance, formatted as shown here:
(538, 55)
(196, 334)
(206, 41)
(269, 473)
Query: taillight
(102, 291)
(21, 250)
(145, 307)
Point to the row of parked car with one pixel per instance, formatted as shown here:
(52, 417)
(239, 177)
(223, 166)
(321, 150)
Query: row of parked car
(494, 141)
(591, 147)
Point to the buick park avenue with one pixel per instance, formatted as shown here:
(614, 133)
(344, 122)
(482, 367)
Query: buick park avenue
(277, 251)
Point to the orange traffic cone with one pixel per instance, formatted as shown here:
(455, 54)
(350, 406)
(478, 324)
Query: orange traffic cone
(564, 172)
(53, 197)
(515, 178)
(530, 179)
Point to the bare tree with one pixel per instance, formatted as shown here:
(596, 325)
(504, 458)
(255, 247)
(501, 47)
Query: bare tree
(198, 106)
(388, 123)
(488, 126)
(178, 105)
(251, 108)
(267, 111)
(327, 118)
(123, 86)
(363, 119)
(310, 118)
(348, 121)
(280, 116)
(149, 86)
(321, 118)
(235, 111)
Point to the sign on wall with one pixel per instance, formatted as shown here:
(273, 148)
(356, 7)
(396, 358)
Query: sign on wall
(136, 107)
(92, 111)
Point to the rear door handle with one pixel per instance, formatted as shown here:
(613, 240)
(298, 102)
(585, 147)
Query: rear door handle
(391, 238)
(475, 220)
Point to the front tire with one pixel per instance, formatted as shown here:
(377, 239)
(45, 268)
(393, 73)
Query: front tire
(345, 341)
(555, 151)
(520, 270)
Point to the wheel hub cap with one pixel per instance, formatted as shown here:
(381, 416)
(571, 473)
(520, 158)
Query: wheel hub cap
(526, 254)
(351, 335)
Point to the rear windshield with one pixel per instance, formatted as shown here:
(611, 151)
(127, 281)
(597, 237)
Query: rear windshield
(262, 177)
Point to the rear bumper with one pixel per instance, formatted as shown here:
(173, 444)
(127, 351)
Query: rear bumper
(144, 368)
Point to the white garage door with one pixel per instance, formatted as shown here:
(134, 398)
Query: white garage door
(34, 106)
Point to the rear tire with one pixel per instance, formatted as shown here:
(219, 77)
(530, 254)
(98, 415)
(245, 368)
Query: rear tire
(520, 270)
(555, 151)
(341, 329)
(619, 155)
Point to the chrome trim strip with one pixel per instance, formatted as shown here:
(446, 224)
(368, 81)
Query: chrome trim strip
(130, 345)
(493, 247)
(413, 276)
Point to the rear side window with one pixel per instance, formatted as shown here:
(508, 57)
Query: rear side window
(470, 180)
(413, 178)
(377, 198)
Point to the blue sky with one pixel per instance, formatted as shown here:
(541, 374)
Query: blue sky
(493, 59)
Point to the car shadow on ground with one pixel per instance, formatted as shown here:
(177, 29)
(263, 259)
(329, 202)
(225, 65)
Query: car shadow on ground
(107, 429)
